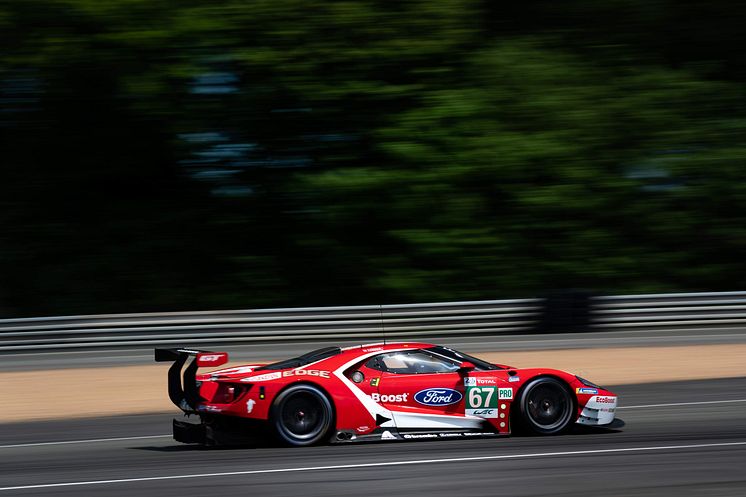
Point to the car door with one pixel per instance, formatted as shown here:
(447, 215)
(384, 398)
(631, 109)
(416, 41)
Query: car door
(423, 391)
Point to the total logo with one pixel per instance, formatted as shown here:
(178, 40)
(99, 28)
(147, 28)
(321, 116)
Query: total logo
(473, 382)
(401, 397)
(438, 396)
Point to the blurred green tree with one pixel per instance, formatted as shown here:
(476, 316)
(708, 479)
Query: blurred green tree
(163, 155)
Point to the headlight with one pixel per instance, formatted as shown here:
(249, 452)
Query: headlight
(588, 383)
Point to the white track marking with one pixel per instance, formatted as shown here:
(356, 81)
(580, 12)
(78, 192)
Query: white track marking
(684, 404)
(90, 440)
(379, 464)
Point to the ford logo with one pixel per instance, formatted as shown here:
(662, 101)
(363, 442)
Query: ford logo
(438, 396)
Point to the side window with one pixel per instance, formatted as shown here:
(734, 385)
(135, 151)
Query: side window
(411, 362)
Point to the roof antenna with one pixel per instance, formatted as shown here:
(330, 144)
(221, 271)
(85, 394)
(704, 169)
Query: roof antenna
(383, 327)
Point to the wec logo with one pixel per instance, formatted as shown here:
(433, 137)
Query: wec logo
(486, 413)
(438, 396)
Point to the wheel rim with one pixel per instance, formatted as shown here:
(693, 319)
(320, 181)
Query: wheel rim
(548, 406)
(303, 416)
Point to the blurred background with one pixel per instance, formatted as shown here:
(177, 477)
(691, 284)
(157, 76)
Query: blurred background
(160, 155)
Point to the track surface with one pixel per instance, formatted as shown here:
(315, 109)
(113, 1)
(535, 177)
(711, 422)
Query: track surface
(678, 450)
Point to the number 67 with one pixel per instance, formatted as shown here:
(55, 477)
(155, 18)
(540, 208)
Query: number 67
(475, 396)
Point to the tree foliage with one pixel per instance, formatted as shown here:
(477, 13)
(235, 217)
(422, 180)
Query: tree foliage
(163, 155)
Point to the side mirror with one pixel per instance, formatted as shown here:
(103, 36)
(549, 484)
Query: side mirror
(466, 366)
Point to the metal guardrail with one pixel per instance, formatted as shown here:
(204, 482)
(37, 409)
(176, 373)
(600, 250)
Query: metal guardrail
(269, 325)
(448, 319)
(670, 310)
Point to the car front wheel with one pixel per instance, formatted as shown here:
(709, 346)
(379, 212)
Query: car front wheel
(546, 406)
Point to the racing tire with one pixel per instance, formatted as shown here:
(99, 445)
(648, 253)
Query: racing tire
(545, 407)
(301, 415)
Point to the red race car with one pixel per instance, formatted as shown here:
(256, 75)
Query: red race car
(394, 391)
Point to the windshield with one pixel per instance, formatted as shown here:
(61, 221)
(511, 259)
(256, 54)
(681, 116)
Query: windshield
(461, 357)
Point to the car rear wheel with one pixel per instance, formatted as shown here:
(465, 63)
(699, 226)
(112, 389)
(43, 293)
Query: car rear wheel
(545, 406)
(302, 415)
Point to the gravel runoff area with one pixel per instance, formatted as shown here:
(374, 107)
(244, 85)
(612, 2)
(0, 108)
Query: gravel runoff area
(92, 392)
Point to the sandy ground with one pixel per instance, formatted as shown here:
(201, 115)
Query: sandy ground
(78, 393)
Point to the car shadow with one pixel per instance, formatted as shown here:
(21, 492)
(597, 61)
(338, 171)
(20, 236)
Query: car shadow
(195, 447)
(614, 427)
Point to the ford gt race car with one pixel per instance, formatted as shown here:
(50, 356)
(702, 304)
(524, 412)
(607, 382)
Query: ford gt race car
(394, 391)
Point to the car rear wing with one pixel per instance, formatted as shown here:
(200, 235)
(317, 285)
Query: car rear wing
(187, 398)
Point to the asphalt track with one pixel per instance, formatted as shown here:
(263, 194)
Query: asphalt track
(685, 438)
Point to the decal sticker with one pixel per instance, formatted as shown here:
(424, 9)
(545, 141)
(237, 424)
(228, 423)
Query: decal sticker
(514, 379)
(473, 382)
(606, 400)
(483, 413)
(401, 397)
(438, 396)
(504, 393)
(294, 372)
(250, 405)
(482, 401)
(264, 377)
(386, 435)
(362, 429)
(446, 435)
(211, 357)
(587, 391)
(375, 381)
(306, 372)
(599, 410)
